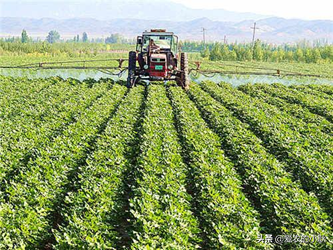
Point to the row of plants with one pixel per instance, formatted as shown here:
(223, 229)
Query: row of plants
(86, 167)
(295, 110)
(42, 118)
(161, 206)
(284, 207)
(311, 133)
(23, 108)
(226, 216)
(317, 105)
(328, 89)
(91, 213)
(15, 91)
(311, 167)
(308, 90)
(30, 210)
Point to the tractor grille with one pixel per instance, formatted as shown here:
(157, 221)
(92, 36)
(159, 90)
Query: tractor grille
(158, 59)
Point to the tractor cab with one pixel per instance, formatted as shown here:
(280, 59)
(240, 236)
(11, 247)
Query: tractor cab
(157, 56)
(157, 40)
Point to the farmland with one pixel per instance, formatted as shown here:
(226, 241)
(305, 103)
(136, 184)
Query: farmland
(93, 165)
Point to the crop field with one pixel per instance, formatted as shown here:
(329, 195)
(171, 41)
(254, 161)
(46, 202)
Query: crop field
(93, 165)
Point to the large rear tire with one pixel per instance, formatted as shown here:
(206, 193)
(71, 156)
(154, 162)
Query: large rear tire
(184, 77)
(131, 78)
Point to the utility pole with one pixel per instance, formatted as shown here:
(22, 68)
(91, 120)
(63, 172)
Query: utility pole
(254, 32)
(204, 35)
(225, 40)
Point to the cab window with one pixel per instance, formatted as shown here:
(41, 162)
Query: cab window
(164, 42)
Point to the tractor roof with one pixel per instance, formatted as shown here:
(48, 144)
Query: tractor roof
(157, 32)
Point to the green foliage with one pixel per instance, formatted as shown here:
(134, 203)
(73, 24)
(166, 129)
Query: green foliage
(161, 206)
(37, 51)
(314, 103)
(287, 208)
(116, 38)
(52, 111)
(93, 214)
(94, 165)
(322, 88)
(205, 53)
(84, 37)
(306, 151)
(318, 122)
(37, 195)
(316, 56)
(215, 54)
(24, 36)
(53, 36)
(258, 54)
(299, 55)
(262, 52)
(215, 184)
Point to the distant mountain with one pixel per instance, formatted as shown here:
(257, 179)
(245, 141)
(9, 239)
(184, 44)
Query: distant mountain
(274, 30)
(287, 30)
(115, 9)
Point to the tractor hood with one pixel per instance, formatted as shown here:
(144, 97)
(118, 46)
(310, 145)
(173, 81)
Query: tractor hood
(158, 66)
(158, 57)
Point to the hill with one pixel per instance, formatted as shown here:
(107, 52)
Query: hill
(274, 30)
(114, 9)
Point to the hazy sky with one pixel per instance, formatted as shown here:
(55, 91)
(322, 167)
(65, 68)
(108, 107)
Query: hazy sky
(305, 9)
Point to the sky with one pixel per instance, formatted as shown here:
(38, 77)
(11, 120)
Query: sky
(304, 9)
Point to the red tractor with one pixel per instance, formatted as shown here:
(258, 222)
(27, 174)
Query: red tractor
(158, 59)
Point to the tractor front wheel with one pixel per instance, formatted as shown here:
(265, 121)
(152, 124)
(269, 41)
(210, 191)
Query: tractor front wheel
(131, 79)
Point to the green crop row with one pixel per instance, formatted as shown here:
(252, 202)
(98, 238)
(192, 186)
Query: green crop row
(161, 206)
(284, 207)
(317, 122)
(18, 89)
(310, 134)
(308, 165)
(328, 89)
(32, 104)
(93, 165)
(91, 218)
(226, 217)
(30, 209)
(315, 104)
(41, 119)
(307, 90)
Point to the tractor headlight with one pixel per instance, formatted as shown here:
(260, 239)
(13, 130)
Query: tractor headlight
(170, 67)
(146, 66)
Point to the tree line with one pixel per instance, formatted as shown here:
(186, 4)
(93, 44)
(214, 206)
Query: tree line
(259, 51)
(54, 37)
(54, 45)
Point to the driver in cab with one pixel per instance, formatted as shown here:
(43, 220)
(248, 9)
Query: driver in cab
(152, 46)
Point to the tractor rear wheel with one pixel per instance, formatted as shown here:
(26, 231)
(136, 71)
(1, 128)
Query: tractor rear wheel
(184, 78)
(131, 79)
